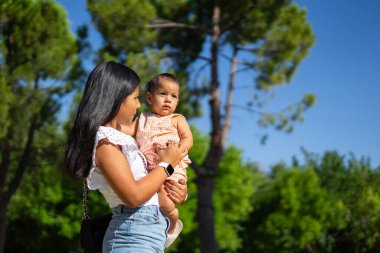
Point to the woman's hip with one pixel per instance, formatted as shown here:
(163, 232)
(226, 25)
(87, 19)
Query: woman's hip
(141, 229)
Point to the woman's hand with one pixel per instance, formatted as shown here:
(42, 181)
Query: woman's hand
(177, 192)
(173, 153)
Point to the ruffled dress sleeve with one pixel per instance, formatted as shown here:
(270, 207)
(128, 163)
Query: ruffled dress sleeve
(95, 179)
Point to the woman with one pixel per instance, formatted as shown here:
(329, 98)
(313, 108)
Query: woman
(110, 161)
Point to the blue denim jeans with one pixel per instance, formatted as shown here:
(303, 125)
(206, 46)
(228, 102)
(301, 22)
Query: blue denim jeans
(131, 230)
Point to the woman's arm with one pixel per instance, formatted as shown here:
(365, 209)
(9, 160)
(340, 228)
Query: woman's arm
(117, 171)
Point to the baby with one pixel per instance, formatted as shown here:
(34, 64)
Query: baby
(154, 129)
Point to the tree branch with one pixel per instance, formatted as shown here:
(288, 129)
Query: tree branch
(163, 23)
(5, 162)
(22, 165)
(15, 182)
(243, 69)
(249, 109)
(200, 69)
(226, 56)
(231, 82)
(174, 54)
(251, 50)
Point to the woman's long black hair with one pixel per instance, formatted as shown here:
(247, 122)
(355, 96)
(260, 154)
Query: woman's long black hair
(106, 88)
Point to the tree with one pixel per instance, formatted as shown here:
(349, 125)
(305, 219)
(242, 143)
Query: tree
(234, 188)
(329, 204)
(268, 39)
(292, 211)
(356, 184)
(233, 193)
(37, 50)
(47, 204)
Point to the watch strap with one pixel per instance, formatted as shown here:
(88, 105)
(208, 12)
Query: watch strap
(168, 168)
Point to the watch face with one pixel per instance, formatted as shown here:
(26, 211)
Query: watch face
(170, 169)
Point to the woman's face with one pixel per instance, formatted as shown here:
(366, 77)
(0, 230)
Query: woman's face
(129, 107)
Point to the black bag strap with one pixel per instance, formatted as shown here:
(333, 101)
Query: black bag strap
(85, 201)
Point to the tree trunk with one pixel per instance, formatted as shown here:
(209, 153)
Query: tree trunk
(309, 249)
(4, 166)
(206, 174)
(205, 213)
(6, 195)
(3, 215)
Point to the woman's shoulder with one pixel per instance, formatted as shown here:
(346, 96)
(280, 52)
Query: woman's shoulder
(114, 136)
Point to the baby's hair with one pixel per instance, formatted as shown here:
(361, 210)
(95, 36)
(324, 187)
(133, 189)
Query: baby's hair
(152, 84)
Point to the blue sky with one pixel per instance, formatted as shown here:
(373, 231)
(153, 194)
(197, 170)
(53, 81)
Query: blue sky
(342, 70)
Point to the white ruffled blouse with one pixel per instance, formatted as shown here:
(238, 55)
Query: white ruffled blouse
(135, 158)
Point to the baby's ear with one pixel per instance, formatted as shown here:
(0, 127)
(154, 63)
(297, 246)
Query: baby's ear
(148, 98)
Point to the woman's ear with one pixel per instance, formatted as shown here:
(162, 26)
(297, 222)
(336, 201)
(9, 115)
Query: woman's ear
(148, 97)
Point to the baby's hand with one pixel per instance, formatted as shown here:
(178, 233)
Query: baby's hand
(173, 141)
(163, 146)
(173, 153)
(158, 146)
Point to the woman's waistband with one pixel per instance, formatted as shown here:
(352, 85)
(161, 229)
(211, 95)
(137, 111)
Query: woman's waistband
(148, 209)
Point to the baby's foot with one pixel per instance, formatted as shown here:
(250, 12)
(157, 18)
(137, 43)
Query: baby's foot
(172, 236)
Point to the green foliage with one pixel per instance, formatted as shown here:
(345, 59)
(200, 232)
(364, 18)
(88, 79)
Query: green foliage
(354, 183)
(234, 187)
(315, 207)
(286, 43)
(49, 201)
(285, 119)
(31, 46)
(300, 210)
(36, 47)
(187, 211)
(199, 149)
(6, 97)
(133, 14)
(37, 51)
(47, 204)
(187, 239)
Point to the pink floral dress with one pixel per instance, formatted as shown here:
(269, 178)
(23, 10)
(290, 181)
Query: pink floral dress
(152, 132)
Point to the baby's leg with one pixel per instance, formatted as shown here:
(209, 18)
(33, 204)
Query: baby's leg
(167, 206)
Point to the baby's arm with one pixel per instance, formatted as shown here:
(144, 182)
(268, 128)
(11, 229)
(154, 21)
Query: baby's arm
(186, 138)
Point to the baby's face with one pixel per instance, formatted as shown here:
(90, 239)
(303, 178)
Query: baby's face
(164, 98)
